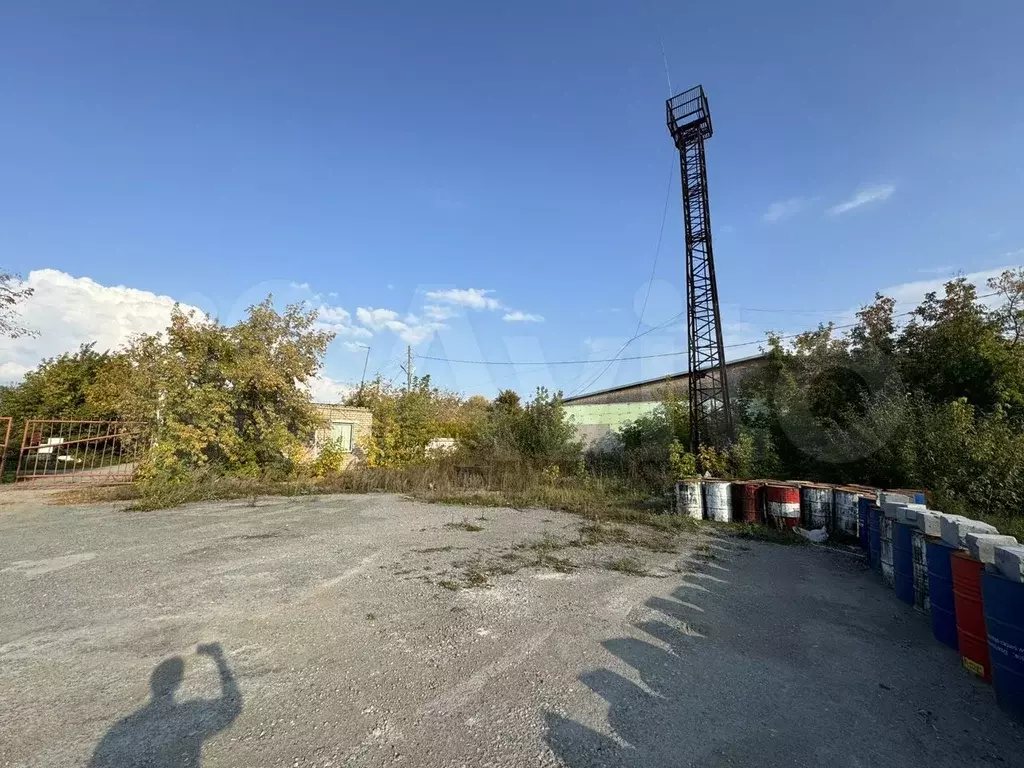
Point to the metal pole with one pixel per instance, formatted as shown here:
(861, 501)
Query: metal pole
(408, 368)
(363, 377)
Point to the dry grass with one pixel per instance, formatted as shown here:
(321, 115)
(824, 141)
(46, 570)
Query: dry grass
(629, 565)
(758, 532)
(598, 499)
(464, 525)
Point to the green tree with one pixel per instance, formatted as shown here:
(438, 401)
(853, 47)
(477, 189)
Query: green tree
(230, 398)
(62, 387)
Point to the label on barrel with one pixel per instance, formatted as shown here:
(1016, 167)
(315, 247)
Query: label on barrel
(973, 666)
(998, 645)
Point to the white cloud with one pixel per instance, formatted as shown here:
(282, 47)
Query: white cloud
(410, 329)
(11, 373)
(339, 321)
(68, 311)
(912, 293)
(435, 312)
(782, 209)
(516, 316)
(299, 286)
(864, 196)
(474, 298)
(940, 270)
(324, 389)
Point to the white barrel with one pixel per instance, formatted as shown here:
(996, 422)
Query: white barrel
(888, 571)
(816, 506)
(921, 600)
(844, 502)
(688, 499)
(718, 500)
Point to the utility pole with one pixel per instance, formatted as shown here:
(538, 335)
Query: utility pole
(408, 368)
(362, 379)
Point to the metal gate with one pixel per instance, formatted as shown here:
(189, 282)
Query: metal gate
(98, 452)
(5, 428)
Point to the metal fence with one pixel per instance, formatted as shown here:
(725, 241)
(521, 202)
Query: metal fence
(5, 428)
(81, 451)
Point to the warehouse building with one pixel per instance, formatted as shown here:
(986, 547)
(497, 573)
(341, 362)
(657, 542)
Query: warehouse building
(600, 415)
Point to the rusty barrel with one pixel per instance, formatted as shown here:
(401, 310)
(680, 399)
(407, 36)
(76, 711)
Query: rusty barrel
(748, 502)
(782, 503)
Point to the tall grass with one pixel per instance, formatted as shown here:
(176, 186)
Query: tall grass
(507, 484)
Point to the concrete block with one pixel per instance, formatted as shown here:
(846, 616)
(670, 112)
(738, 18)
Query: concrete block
(1010, 562)
(956, 527)
(982, 546)
(885, 497)
(907, 513)
(929, 523)
(890, 502)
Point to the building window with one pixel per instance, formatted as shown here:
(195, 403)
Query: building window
(341, 433)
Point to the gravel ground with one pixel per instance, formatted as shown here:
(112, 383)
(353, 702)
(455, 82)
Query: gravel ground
(332, 631)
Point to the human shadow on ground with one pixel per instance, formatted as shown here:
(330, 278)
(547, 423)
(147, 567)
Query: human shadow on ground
(166, 733)
(659, 717)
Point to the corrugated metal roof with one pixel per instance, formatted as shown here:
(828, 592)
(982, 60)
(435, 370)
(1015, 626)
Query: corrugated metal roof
(655, 380)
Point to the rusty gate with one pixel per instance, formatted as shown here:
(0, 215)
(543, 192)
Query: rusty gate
(81, 451)
(5, 429)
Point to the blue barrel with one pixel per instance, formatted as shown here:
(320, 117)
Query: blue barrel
(940, 593)
(863, 504)
(919, 498)
(875, 534)
(903, 562)
(1004, 619)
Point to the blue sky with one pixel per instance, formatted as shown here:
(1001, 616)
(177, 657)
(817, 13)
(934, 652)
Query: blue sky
(212, 152)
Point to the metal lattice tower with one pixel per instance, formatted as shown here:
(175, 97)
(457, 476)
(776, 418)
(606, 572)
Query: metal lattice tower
(689, 122)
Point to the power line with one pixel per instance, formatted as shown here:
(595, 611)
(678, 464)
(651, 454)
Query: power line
(658, 355)
(650, 281)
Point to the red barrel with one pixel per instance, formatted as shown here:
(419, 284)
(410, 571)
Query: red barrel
(782, 503)
(970, 615)
(748, 502)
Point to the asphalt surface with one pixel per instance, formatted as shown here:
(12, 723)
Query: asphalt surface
(317, 632)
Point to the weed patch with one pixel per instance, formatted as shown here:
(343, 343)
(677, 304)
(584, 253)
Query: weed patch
(629, 565)
(464, 525)
(755, 532)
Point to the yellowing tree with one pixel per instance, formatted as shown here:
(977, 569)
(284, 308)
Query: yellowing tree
(233, 398)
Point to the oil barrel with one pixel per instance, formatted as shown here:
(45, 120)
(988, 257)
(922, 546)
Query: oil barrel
(718, 500)
(921, 599)
(1004, 618)
(816, 505)
(863, 531)
(940, 592)
(845, 506)
(875, 527)
(885, 526)
(970, 615)
(903, 562)
(688, 498)
(782, 503)
(748, 502)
